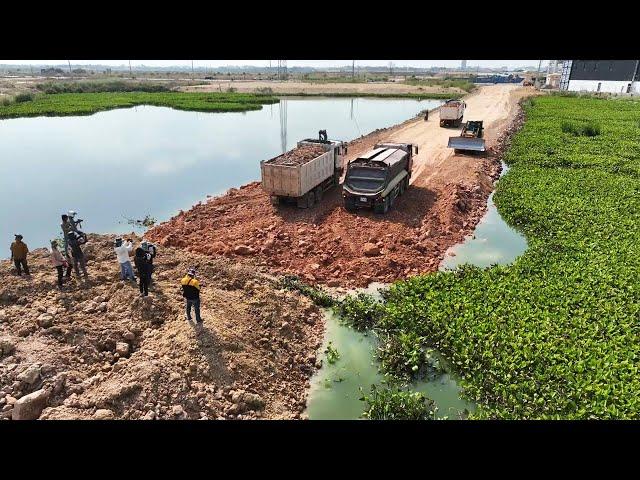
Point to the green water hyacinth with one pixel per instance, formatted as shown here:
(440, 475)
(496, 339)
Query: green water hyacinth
(88, 103)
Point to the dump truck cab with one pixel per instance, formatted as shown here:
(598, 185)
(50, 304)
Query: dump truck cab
(376, 178)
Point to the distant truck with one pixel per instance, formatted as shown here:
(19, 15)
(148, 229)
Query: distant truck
(375, 179)
(470, 139)
(451, 113)
(303, 174)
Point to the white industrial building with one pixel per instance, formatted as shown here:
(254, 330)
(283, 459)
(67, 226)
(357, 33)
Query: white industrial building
(607, 76)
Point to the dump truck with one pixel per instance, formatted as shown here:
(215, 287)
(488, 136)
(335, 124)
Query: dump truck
(303, 174)
(375, 179)
(451, 113)
(470, 139)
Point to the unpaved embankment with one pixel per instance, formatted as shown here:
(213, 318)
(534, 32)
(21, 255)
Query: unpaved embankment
(328, 245)
(99, 350)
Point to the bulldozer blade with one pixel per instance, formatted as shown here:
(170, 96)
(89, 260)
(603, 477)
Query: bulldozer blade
(470, 144)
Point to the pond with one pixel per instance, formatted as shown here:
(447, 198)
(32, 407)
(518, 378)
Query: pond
(336, 388)
(128, 163)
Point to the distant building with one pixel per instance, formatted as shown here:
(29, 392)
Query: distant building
(610, 76)
(463, 65)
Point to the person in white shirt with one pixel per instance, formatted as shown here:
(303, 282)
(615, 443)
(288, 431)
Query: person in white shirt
(122, 252)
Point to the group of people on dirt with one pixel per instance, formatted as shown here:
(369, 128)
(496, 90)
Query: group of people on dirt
(72, 257)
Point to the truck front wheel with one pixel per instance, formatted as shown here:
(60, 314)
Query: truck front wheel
(350, 204)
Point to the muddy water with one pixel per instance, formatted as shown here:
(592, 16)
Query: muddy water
(336, 389)
(493, 242)
(128, 163)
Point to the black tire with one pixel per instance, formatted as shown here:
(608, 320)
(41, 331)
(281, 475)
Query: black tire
(385, 204)
(378, 208)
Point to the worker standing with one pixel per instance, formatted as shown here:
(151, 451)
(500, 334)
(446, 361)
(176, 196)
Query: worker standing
(59, 262)
(79, 262)
(67, 226)
(19, 252)
(122, 253)
(143, 264)
(152, 251)
(191, 293)
(426, 115)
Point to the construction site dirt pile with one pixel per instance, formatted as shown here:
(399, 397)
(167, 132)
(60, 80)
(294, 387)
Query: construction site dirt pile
(327, 245)
(98, 350)
(298, 156)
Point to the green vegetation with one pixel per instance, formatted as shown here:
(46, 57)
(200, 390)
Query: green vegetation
(332, 354)
(446, 82)
(23, 97)
(589, 129)
(395, 404)
(360, 311)
(407, 356)
(89, 103)
(319, 296)
(555, 335)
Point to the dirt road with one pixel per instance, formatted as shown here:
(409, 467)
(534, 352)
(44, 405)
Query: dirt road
(330, 246)
(293, 88)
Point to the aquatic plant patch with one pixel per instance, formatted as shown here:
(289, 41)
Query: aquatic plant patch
(393, 403)
(89, 103)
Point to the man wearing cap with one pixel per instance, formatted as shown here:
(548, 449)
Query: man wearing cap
(191, 293)
(19, 252)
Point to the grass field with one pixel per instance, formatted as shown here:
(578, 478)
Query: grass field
(89, 103)
(555, 335)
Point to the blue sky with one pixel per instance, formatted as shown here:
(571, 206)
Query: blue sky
(290, 63)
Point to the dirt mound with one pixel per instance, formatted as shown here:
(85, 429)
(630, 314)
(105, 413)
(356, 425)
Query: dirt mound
(99, 350)
(298, 156)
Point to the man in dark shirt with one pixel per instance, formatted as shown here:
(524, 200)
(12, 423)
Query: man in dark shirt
(191, 293)
(79, 262)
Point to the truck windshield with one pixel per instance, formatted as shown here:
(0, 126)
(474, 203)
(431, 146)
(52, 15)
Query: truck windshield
(366, 179)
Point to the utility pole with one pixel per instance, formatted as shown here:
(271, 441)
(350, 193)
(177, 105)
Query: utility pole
(353, 69)
(130, 71)
(192, 73)
(70, 73)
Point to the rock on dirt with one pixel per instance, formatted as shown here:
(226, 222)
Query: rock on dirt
(103, 414)
(370, 250)
(30, 406)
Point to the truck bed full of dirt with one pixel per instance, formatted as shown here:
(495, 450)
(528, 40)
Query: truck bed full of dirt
(298, 156)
